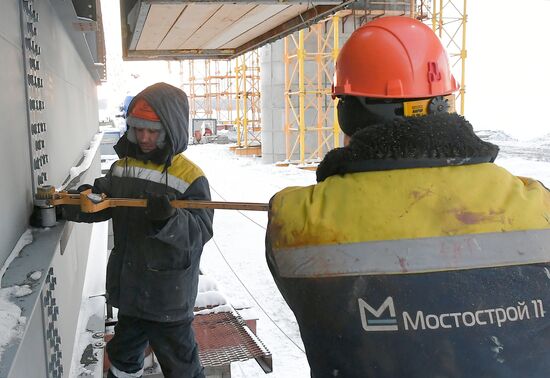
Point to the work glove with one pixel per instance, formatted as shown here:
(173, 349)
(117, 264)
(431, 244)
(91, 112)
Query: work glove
(84, 187)
(158, 207)
(71, 212)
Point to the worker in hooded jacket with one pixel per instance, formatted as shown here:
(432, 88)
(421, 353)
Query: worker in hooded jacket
(414, 255)
(153, 269)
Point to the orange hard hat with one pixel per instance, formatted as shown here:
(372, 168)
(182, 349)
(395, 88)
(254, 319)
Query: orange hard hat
(142, 109)
(393, 57)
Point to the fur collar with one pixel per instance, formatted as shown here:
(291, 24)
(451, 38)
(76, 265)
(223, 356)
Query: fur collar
(429, 141)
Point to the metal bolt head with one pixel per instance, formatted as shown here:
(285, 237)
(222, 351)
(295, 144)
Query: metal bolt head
(98, 335)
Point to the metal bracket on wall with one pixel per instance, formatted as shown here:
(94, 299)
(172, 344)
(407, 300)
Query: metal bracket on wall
(36, 105)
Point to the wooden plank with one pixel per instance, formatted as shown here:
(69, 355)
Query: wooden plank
(216, 25)
(160, 19)
(257, 15)
(266, 25)
(189, 21)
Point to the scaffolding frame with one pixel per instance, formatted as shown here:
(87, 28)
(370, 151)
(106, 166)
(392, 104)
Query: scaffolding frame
(304, 93)
(448, 19)
(228, 91)
(307, 94)
(220, 93)
(210, 86)
(200, 105)
(248, 112)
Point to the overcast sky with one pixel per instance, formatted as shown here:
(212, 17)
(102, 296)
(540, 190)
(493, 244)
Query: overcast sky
(507, 69)
(508, 66)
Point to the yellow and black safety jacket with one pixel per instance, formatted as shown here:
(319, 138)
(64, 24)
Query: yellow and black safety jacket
(417, 272)
(153, 268)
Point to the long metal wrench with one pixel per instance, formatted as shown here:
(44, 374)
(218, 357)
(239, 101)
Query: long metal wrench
(90, 202)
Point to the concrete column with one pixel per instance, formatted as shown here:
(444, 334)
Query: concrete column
(272, 87)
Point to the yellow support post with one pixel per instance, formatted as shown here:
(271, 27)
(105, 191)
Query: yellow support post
(238, 100)
(440, 19)
(319, 84)
(301, 95)
(308, 106)
(335, 52)
(245, 102)
(434, 16)
(463, 55)
(451, 29)
(287, 99)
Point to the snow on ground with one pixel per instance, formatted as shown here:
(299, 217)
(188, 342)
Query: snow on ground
(235, 258)
(538, 170)
(11, 320)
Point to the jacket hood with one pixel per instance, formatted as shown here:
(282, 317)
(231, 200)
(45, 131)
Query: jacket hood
(172, 107)
(420, 142)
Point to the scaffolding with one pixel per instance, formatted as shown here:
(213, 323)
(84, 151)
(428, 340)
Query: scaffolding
(220, 93)
(200, 104)
(210, 90)
(228, 91)
(247, 87)
(448, 20)
(311, 122)
(311, 125)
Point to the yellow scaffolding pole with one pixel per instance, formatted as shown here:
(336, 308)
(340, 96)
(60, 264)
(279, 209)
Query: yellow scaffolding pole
(309, 57)
(335, 52)
(319, 90)
(302, 95)
(238, 103)
(463, 56)
(247, 120)
(287, 99)
(245, 103)
(235, 82)
(448, 19)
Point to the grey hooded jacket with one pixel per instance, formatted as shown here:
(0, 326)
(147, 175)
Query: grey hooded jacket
(153, 268)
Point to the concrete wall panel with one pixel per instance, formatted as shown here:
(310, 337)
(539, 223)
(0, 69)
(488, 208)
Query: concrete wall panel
(272, 102)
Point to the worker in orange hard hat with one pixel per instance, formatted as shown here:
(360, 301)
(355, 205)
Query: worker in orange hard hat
(414, 255)
(153, 269)
(384, 67)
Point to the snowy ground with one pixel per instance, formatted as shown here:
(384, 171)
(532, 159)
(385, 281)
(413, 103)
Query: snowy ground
(235, 258)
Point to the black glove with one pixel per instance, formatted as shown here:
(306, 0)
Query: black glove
(84, 187)
(158, 207)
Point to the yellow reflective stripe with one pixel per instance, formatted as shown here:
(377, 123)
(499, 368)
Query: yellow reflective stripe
(408, 204)
(185, 169)
(151, 175)
(415, 256)
(182, 168)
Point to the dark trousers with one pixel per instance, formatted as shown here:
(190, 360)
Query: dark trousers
(173, 343)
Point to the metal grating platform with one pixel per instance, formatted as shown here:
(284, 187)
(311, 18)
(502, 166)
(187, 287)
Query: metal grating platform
(224, 338)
